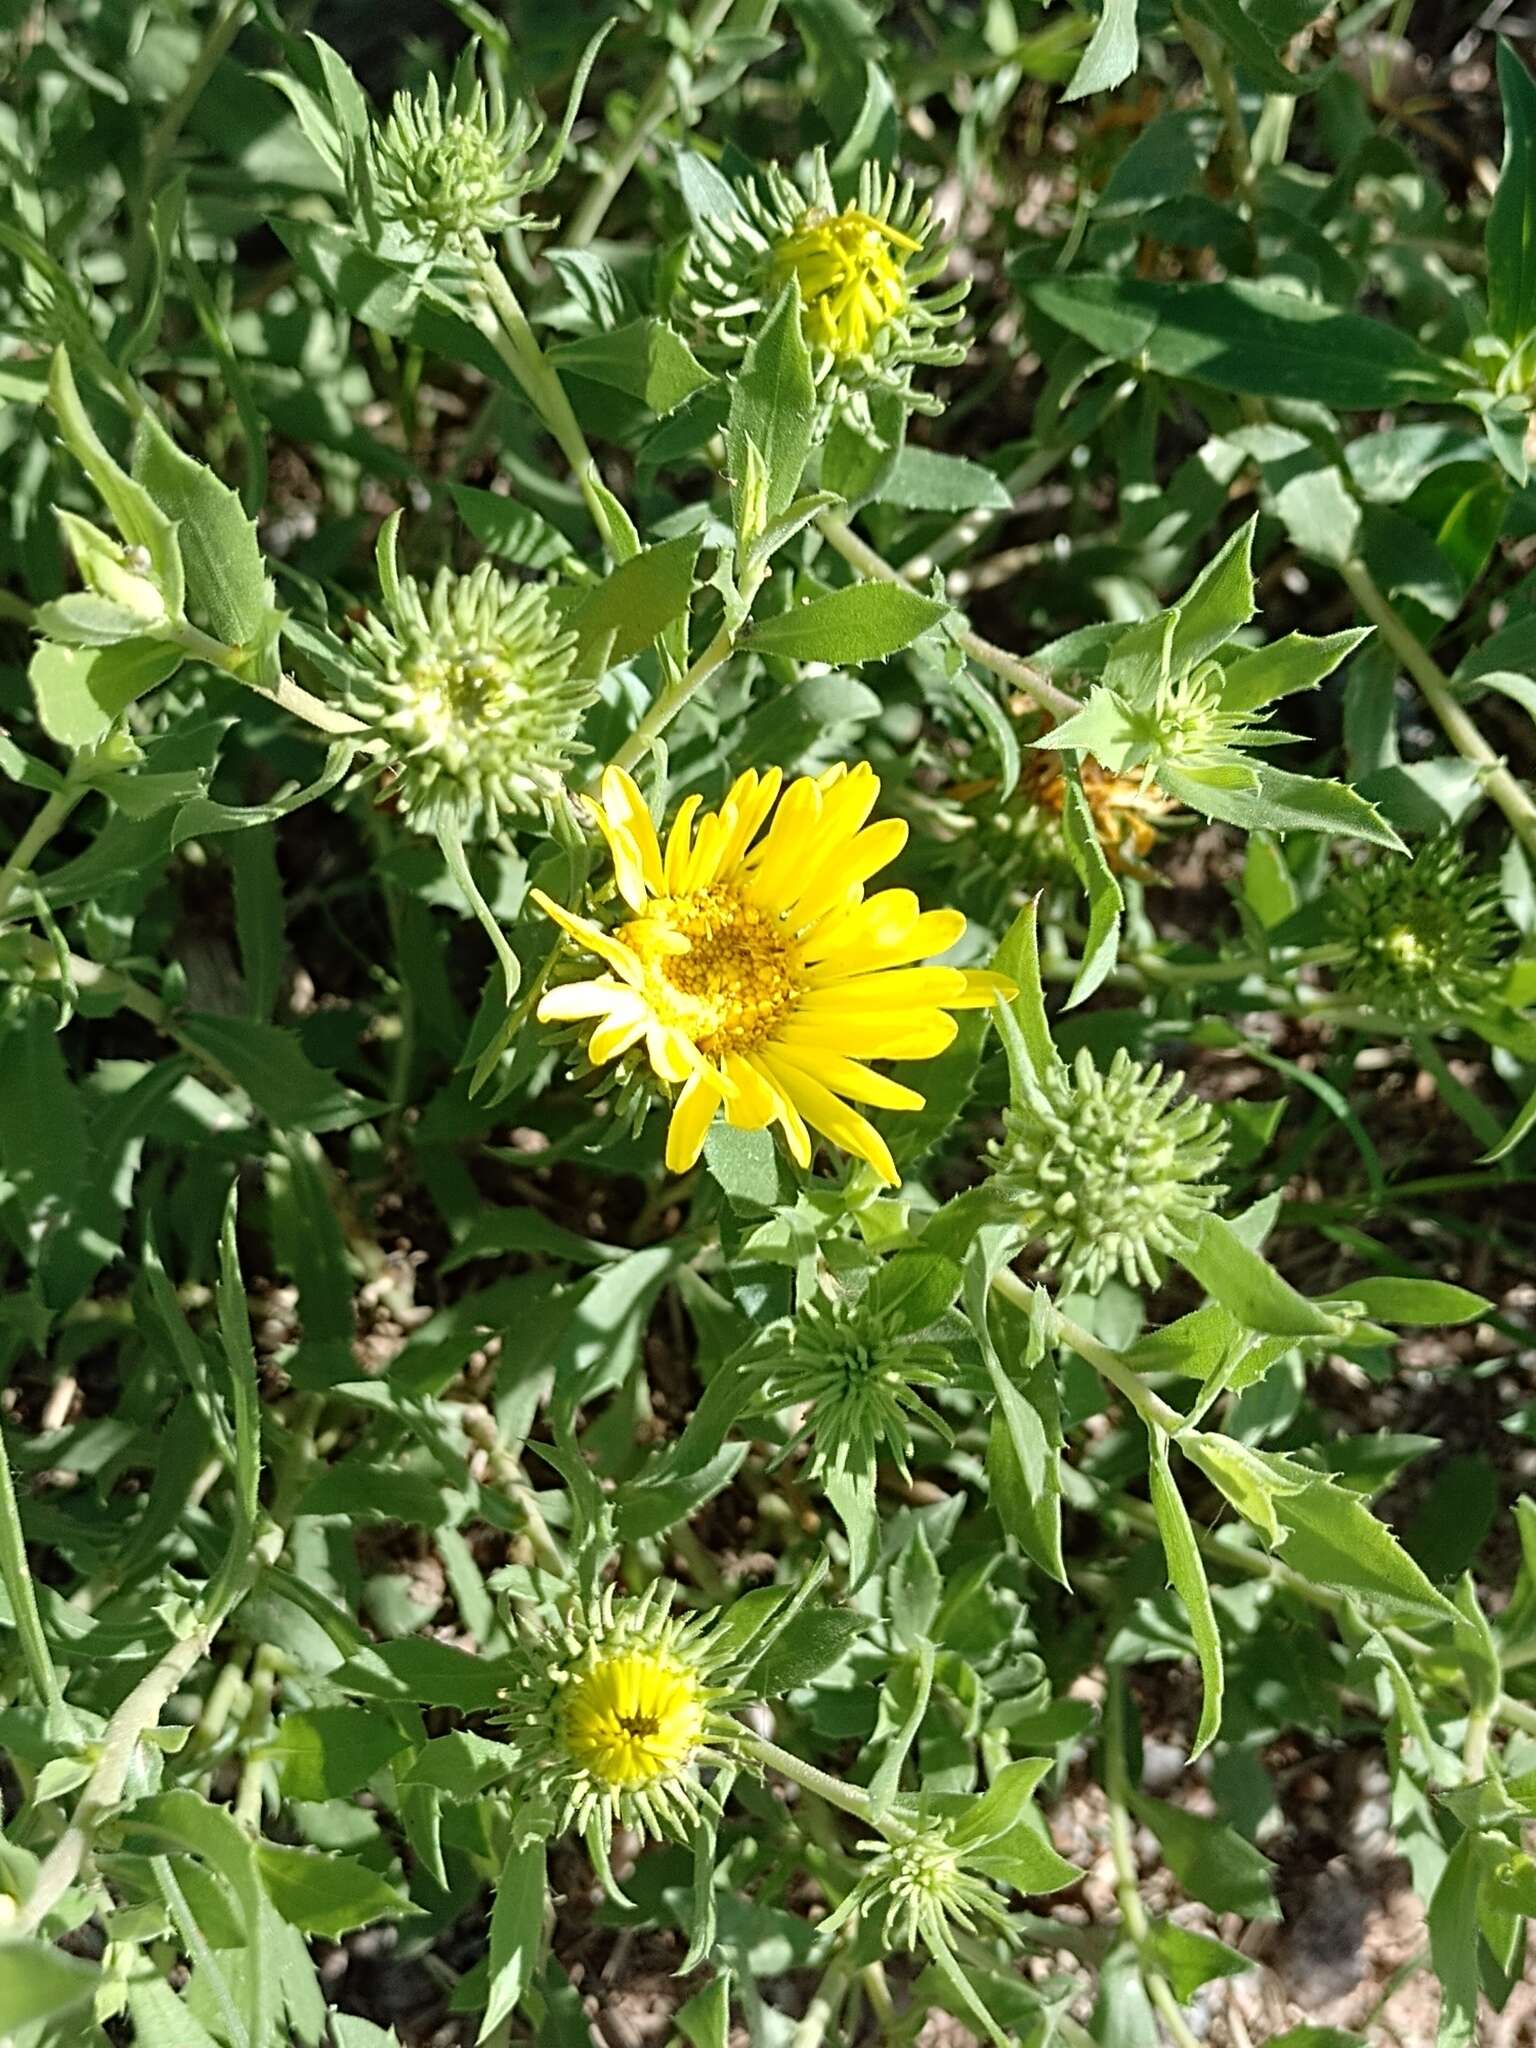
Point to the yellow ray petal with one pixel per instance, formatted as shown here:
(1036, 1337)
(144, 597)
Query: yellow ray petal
(849, 1077)
(592, 936)
(692, 1115)
(837, 1120)
(792, 1123)
(836, 877)
(750, 801)
(679, 845)
(627, 808)
(871, 1034)
(982, 987)
(573, 999)
(754, 1105)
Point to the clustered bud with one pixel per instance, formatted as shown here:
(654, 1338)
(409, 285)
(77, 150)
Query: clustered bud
(1109, 1171)
(1423, 940)
(448, 165)
(472, 684)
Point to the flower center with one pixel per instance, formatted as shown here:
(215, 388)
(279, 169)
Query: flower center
(717, 968)
(851, 280)
(633, 1718)
(465, 685)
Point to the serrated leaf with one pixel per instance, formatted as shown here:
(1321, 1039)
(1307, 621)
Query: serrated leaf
(773, 405)
(1510, 238)
(39, 1982)
(517, 1922)
(1186, 1572)
(638, 601)
(327, 1894)
(226, 578)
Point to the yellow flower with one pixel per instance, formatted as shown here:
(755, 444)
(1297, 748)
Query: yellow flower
(755, 971)
(851, 281)
(633, 1718)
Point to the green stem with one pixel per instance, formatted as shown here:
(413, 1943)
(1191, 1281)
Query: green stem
(49, 820)
(163, 136)
(1511, 795)
(671, 701)
(518, 346)
(1109, 1365)
(22, 1593)
(848, 1798)
(292, 696)
(1212, 59)
(1010, 668)
(138, 1713)
(826, 2003)
(658, 102)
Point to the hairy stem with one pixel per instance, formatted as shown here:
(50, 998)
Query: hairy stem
(49, 820)
(659, 101)
(1460, 728)
(849, 1798)
(514, 340)
(1109, 1365)
(139, 1712)
(16, 1575)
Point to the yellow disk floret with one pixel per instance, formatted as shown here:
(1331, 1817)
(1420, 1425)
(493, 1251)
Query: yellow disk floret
(755, 972)
(633, 1718)
(850, 267)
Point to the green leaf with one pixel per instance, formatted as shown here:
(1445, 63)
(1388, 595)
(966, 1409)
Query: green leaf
(269, 1063)
(864, 623)
(424, 1673)
(773, 407)
(1263, 798)
(1332, 1538)
(1110, 57)
(81, 692)
(460, 1764)
(638, 602)
(234, 1317)
(705, 2021)
(923, 480)
(517, 1922)
(38, 1982)
(328, 1752)
(213, 1835)
(1186, 1571)
(1211, 1861)
(226, 578)
(1254, 339)
(134, 511)
(1247, 1284)
(1253, 50)
(1188, 1959)
(646, 358)
(1294, 662)
(1248, 1479)
(817, 1641)
(1414, 1302)
(1453, 1944)
(1511, 231)
(509, 528)
(1216, 606)
(1106, 900)
(327, 1895)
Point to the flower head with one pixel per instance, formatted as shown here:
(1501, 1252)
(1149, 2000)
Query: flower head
(754, 971)
(862, 270)
(447, 165)
(1423, 939)
(856, 1373)
(471, 683)
(920, 1889)
(614, 1711)
(1109, 1170)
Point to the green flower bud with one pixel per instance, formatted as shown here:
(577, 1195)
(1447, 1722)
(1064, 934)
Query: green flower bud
(857, 1379)
(445, 166)
(472, 687)
(919, 1889)
(1109, 1171)
(1424, 939)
